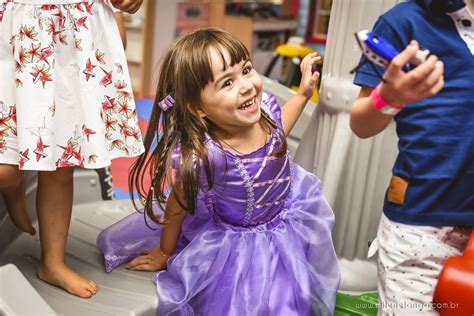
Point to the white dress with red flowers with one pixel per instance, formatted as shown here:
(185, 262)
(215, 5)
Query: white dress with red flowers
(65, 92)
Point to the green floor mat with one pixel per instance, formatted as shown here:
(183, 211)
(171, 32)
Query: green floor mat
(349, 305)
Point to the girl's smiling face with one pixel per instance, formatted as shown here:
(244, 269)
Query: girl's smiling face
(232, 100)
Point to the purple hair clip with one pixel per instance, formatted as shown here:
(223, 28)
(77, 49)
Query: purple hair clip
(166, 103)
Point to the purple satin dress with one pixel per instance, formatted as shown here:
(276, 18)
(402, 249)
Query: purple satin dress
(259, 244)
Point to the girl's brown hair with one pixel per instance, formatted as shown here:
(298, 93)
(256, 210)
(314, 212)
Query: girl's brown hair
(184, 72)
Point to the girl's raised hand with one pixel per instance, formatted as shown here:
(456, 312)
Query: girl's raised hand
(402, 87)
(149, 261)
(129, 6)
(308, 78)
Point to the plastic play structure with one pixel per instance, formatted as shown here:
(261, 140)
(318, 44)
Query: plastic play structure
(355, 174)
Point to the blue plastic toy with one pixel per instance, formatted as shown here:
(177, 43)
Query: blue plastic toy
(380, 52)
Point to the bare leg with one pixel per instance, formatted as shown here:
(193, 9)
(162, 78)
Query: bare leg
(13, 187)
(54, 206)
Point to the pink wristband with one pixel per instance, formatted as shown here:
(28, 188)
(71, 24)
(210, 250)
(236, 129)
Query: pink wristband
(381, 105)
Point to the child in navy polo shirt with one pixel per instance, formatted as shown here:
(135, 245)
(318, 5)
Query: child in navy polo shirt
(429, 205)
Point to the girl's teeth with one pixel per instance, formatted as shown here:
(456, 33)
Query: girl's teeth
(247, 105)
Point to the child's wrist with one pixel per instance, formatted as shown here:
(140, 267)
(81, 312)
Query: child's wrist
(162, 253)
(303, 96)
(381, 105)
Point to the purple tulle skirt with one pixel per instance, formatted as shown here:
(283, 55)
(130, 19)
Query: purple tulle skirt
(286, 266)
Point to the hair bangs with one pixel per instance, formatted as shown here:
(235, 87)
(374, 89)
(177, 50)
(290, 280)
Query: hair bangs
(236, 50)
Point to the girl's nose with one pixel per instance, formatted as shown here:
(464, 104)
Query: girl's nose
(245, 85)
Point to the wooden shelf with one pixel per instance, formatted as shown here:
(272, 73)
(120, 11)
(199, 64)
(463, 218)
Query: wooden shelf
(139, 31)
(320, 21)
(245, 28)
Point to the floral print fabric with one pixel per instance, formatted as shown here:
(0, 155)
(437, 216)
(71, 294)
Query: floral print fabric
(65, 92)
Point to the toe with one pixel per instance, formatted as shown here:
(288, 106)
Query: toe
(31, 231)
(92, 287)
(84, 293)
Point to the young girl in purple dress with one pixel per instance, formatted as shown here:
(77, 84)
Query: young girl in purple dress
(245, 230)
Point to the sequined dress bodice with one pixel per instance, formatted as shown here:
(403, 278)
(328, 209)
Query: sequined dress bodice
(248, 189)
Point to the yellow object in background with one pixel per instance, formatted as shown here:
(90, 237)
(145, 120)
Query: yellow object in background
(313, 98)
(291, 50)
(295, 51)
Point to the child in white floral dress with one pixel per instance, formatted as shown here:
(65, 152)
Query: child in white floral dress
(65, 101)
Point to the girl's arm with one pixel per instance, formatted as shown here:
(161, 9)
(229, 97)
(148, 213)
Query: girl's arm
(400, 88)
(129, 6)
(291, 110)
(121, 26)
(157, 258)
(365, 120)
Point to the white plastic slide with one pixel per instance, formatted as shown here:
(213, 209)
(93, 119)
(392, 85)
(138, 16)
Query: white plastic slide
(18, 297)
(355, 173)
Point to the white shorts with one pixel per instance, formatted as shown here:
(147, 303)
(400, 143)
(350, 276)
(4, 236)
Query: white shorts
(410, 259)
(65, 92)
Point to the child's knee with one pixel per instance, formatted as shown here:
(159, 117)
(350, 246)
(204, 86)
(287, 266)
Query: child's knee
(60, 175)
(10, 175)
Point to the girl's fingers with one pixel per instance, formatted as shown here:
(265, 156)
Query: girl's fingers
(431, 91)
(134, 8)
(431, 78)
(401, 60)
(143, 267)
(139, 4)
(144, 264)
(309, 60)
(129, 6)
(315, 77)
(140, 260)
(313, 62)
(420, 73)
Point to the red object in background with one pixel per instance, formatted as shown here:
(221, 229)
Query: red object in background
(295, 7)
(318, 21)
(454, 294)
(191, 16)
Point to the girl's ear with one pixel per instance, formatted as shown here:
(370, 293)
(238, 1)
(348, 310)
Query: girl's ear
(201, 113)
(195, 111)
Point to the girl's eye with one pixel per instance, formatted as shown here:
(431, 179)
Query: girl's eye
(247, 70)
(227, 83)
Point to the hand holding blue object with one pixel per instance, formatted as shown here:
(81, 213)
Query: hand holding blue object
(379, 51)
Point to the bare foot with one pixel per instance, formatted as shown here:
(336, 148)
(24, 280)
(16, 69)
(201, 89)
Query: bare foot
(67, 279)
(14, 198)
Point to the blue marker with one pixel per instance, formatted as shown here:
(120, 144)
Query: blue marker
(381, 52)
